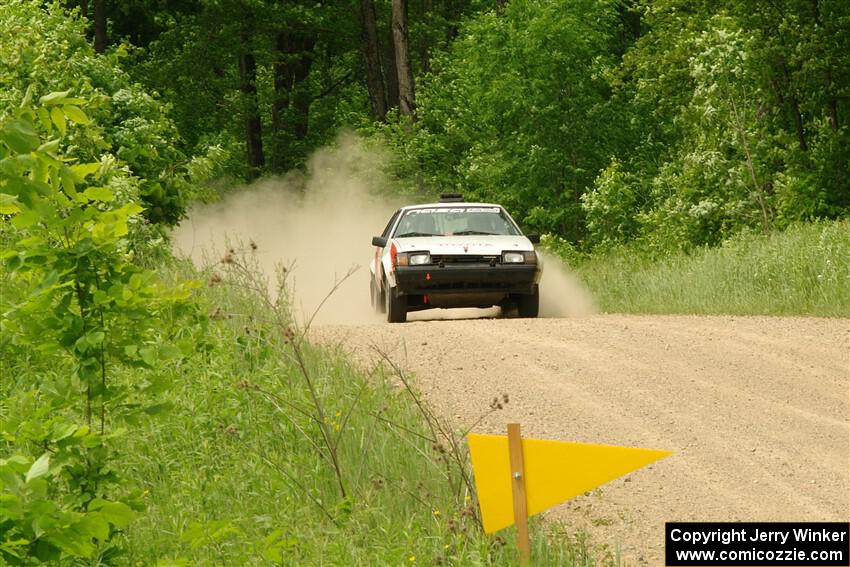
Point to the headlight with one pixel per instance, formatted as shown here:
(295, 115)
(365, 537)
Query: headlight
(513, 258)
(419, 259)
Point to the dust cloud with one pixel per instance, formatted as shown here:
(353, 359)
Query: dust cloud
(561, 292)
(321, 222)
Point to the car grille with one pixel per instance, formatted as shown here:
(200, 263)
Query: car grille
(463, 259)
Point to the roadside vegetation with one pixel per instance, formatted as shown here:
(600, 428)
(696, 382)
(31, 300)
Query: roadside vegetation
(802, 271)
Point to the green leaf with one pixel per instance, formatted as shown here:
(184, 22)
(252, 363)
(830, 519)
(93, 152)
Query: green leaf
(63, 431)
(116, 513)
(148, 355)
(83, 170)
(75, 114)
(167, 352)
(131, 209)
(49, 147)
(69, 183)
(157, 409)
(99, 194)
(27, 97)
(58, 118)
(20, 136)
(93, 526)
(8, 204)
(39, 468)
(25, 219)
(54, 98)
(44, 118)
(95, 337)
(14, 262)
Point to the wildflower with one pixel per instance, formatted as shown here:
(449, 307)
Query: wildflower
(436, 513)
(412, 558)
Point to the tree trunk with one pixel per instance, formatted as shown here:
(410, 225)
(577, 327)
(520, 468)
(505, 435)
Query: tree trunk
(831, 102)
(292, 99)
(390, 74)
(406, 100)
(301, 97)
(99, 25)
(253, 123)
(795, 110)
(372, 58)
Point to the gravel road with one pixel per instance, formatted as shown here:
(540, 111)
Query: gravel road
(755, 409)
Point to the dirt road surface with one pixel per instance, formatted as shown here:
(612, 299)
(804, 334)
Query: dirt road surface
(756, 410)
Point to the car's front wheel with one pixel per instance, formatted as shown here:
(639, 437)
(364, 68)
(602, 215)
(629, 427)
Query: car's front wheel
(396, 305)
(529, 305)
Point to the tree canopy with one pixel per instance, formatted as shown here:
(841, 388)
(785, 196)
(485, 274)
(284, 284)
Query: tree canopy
(668, 122)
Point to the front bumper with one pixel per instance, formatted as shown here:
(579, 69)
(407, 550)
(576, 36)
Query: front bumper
(466, 278)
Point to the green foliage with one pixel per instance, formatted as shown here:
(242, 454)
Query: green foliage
(733, 122)
(45, 51)
(610, 206)
(82, 308)
(804, 270)
(515, 111)
(670, 122)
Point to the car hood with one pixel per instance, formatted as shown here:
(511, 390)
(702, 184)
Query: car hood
(466, 244)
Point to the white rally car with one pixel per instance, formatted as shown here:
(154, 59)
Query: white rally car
(454, 254)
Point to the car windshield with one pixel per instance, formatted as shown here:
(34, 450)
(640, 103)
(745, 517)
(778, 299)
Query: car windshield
(448, 221)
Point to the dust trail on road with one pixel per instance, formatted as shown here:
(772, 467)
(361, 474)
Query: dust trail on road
(322, 220)
(561, 292)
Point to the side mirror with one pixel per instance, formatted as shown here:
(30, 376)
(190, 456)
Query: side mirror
(380, 241)
(534, 238)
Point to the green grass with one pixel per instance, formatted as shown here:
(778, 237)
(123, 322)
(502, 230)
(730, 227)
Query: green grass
(804, 270)
(237, 471)
(231, 476)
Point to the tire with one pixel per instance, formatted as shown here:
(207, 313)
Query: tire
(395, 304)
(528, 306)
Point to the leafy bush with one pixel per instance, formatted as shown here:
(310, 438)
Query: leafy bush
(611, 206)
(78, 308)
(44, 50)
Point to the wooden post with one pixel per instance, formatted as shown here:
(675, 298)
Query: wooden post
(518, 489)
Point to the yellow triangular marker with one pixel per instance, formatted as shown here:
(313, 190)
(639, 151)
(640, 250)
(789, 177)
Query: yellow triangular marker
(554, 471)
